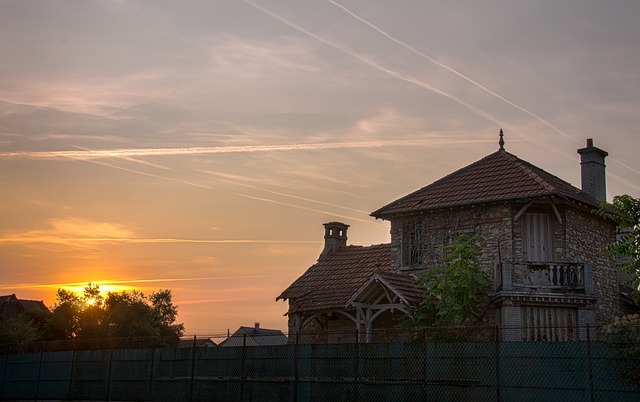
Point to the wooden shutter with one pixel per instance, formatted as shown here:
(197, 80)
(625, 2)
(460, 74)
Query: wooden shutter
(537, 237)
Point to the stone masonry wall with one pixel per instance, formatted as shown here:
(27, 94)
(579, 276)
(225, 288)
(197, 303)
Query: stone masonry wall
(587, 239)
(492, 222)
(581, 237)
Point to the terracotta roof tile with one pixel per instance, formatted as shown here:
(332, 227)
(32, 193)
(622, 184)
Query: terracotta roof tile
(330, 283)
(496, 177)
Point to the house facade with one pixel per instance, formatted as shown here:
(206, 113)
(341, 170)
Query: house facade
(543, 249)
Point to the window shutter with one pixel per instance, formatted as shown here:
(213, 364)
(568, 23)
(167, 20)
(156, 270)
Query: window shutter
(537, 237)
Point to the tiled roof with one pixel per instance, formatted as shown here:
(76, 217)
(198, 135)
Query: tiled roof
(255, 337)
(404, 284)
(496, 177)
(333, 280)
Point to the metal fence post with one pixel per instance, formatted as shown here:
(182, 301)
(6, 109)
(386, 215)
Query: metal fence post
(110, 379)
(424, 366)
(73, 363)
(590, 364)
(242, 361)
(296, 372)
(151, 374)
(193, 368)
(497, 342)
(38, 377)
(356, 359)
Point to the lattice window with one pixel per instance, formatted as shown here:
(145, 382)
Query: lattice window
(414, 244)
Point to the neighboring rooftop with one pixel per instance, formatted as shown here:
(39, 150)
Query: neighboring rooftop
(255, 336)
(11, 306)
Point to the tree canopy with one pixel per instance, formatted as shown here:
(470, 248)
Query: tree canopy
(118, 315)
(457, 287)
(625, 212)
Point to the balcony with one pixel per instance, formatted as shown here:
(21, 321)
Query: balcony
(548, 277)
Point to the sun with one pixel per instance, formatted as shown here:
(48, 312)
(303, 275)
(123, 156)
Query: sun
(104, 286)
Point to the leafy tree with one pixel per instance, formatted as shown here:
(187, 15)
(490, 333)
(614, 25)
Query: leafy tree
(625, 212)
(119, 315)
(18, 330)
(64, 321)
(457, 287)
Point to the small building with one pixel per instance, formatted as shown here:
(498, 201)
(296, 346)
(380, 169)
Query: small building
(544, 251)
(12, 307)
(195, 342)
(255, 336)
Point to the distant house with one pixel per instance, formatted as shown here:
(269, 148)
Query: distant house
(255, 336)
(198, 343)
(12, 307)
(543, 250)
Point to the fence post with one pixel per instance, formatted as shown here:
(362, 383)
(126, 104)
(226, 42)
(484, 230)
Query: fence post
(110, 378)
(4, 371)
(296, 372)
(242, 361)
(73, 363)
(38, 377)
(193, 368)
(424, 365)
(497, 342)
(356, 359)
(589, 364)
(151, 374)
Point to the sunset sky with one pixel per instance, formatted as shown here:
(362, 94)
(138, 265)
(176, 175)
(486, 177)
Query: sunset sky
(199, 146)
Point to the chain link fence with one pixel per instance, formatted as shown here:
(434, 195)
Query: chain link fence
(431, 364)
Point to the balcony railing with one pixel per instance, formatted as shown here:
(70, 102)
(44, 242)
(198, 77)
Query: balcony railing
(551, 276)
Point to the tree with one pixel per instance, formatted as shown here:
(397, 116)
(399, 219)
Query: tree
(457, 287)
(625, 212)
(118, 315)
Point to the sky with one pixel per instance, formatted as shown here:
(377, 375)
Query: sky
(199, 146)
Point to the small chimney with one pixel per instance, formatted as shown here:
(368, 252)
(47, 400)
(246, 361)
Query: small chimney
(335, 237)
(592, 169)
(256, 325)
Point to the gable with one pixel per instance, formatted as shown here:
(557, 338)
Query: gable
(330, 283)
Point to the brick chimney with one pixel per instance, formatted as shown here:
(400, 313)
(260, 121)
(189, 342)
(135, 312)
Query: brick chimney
(335, 237)
(592, 168)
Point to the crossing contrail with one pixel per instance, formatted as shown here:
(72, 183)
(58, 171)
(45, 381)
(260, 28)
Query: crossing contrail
(400, 76)
(451, 70)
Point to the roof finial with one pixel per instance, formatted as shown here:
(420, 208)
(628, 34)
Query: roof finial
(501, 142)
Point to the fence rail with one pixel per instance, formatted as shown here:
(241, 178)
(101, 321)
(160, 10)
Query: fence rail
(427, 366)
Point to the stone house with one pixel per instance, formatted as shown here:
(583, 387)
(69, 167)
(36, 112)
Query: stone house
(543, 250)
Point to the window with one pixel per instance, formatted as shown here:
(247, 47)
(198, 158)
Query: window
(548, 324)
(537, 237)
(414, 241)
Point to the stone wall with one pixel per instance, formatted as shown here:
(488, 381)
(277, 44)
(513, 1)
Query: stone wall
(587, 240)
(579, 236)
(492, 222)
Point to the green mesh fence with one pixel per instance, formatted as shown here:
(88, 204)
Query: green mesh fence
(426, 367)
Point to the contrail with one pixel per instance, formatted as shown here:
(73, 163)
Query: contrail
(451, 70)
(268, 200)
(296, 197)
(123, 281)
(395, 74)
(54, 239)
(86, 154)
